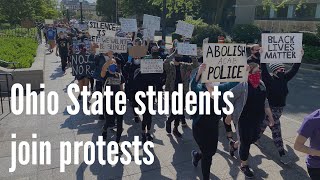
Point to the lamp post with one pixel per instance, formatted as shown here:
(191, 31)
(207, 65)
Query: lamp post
(164, 13)
(81, 17)
(68, 17)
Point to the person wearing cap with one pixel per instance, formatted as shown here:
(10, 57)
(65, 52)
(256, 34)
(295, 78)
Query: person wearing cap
(277, 91)
(250, 107)
(177, 72)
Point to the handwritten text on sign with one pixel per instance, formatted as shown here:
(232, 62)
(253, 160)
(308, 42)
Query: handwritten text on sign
(100, 29)
(184, 29)
(128, 25)
(151, 22)
(115, 44)
(148, 66)
(187, 49)
(281, 48)
(224, 63)
(81, 65)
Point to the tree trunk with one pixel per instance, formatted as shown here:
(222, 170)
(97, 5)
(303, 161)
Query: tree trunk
(219, 11)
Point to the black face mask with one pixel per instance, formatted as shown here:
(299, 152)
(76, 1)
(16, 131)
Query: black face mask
(155, 54)
(280, 75)
(257, 54)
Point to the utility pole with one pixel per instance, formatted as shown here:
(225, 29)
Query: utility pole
(81, 17)
(164, 13)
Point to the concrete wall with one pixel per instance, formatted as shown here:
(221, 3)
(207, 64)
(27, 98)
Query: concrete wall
(286, 26)
(33, 75)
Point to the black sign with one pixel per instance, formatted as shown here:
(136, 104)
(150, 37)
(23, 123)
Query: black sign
(82, 64)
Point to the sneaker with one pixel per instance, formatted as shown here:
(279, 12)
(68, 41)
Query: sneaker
(177, 133)
(168, 126)
(137, 119)
(143, 138)
(148, 137)
(195, 159)
(232, 149)
(285, 159)
(247, 172)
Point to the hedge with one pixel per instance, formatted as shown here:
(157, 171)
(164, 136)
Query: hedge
(20, 50)
(311, 55)
(246, 33)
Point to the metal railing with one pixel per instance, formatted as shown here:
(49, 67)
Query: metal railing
(4, 79)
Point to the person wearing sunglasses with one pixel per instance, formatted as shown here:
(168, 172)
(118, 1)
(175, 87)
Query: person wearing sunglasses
(277, 91)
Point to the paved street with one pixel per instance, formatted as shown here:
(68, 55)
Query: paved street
(172, 155)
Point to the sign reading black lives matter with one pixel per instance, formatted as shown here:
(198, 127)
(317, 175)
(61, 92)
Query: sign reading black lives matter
(281, 48)
(224, 63)
(100, 29)
(151, 66)
(115, 44)
(81, 65)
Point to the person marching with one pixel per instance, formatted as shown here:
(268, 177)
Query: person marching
(51, 37)
(205, 128)
(63, 46)
(251, 105)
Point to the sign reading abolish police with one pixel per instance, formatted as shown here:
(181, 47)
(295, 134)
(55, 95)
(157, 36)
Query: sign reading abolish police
(148, 66)
(99, 29)
(184, 29)
(224, 63)
(281, 48)
(115, 44)
(81, 65)
(187, 49)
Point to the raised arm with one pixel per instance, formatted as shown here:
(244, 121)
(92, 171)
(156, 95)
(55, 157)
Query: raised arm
(292, 72)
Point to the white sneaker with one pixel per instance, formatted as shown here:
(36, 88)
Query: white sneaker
(285, 159)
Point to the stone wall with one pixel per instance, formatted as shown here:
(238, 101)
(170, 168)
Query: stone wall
(286, 26)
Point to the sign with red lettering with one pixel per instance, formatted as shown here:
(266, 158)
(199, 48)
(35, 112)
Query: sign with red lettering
(281, 48)
(224, 63)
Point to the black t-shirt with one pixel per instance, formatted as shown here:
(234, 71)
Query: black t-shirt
(114, 81)
(178, 77)
(63, 45)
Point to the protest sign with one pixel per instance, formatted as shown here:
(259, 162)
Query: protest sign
(128, 25)
(151, 22)
(184, 29)
(224, 63)
(281, 48)
(100, 29)
(48, 21)
(187, 49)
(81, 65)
(148, 66)
(205, 41)
(138, 51)
(148, 34)
(115, 44)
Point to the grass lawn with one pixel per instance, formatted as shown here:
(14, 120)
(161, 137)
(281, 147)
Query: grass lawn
(18, 49)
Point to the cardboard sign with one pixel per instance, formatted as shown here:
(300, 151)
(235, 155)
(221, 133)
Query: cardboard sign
(184, 29)
(100, 29)
(138, 51)
(224, 63)
(148, 34)
(128, 25)
(281, 48)
(115, 44)
(205, 41)
(27, 23)
(151, 22)
(48, 21)
(149, 66)
(81, 65)
(187, 49)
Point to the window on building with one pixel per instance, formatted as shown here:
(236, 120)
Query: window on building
(262, 12)
(282, 12)
(306, 11)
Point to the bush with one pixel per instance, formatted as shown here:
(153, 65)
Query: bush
(203, 30)
(246, 33)
(310, 39)
(20, 50)
(311, 55)
(318, 30)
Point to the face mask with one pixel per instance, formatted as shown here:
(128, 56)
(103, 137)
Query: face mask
(254, 79)
(280, 75)
(257, 54)
(136, 61)
(113, 68)
(155, 54)
(163, 47)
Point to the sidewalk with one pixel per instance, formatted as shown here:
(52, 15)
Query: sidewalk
(172, 155)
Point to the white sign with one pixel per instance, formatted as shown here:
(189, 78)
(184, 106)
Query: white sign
(281, 48)
(128, 25)
(184, 29)
(48, 21)
(187, 49)
(148, 66)
(224, 63)
(100, 29)
(151, 22)
(148, 33)
(115, 44)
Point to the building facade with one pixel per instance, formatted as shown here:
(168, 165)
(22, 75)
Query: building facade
(88, 9)
(290, 17)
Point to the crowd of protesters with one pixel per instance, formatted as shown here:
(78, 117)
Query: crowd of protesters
(258, 103)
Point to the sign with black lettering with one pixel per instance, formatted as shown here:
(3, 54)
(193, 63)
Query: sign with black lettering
(281, 48)
(100, 29)
(184, 29)
(224, 63)
(115, 44)
(128, 25)
(148, 66)
(187, 49)
(82, 65)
